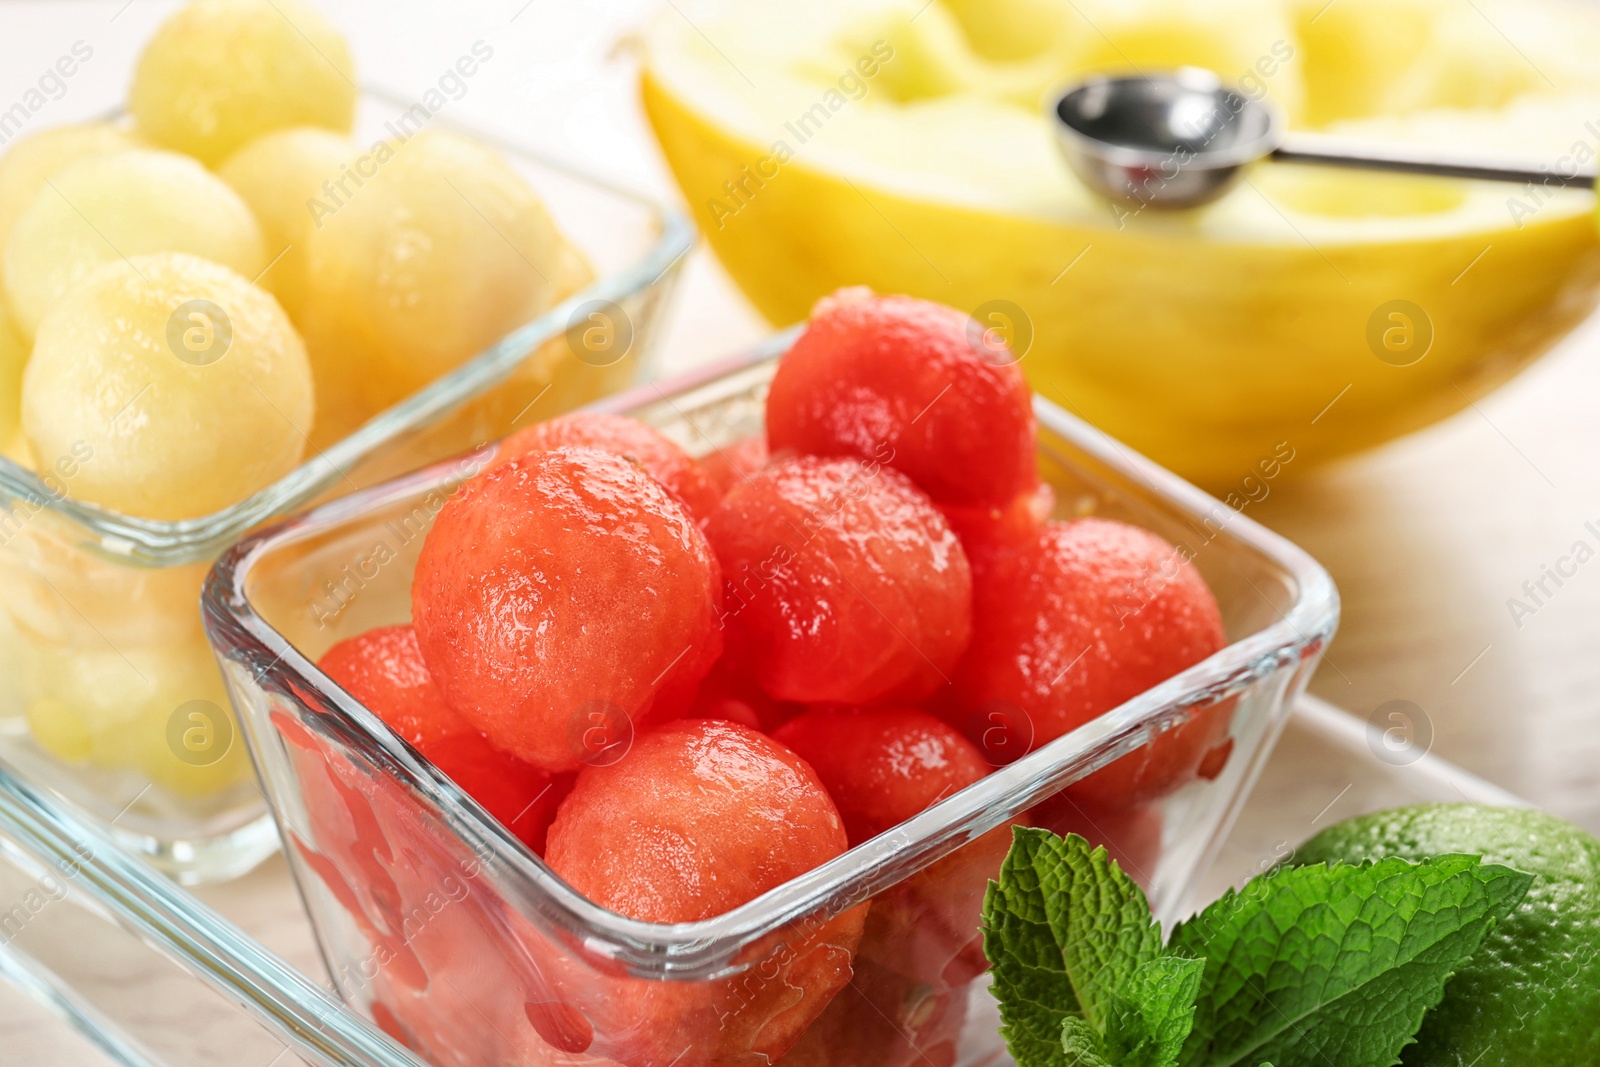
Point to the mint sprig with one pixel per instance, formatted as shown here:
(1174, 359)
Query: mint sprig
(1303, 968)
(1337, 964)
(1077, 960)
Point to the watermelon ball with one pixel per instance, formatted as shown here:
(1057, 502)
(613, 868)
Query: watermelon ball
(383, 668)
(699, 818)
(985, 530)
(1090, 615)
(899, 380)
(882, 767)
(520, 796)
(662, 460)
(731, 464)
(721, 695)
(843, 584)
(558, 584)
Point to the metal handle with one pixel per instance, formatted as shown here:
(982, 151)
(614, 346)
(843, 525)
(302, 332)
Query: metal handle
(1370, 155)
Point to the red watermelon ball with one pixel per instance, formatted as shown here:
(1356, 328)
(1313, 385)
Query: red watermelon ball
(660, 458)
(843, 583)
(882, 767)
(911, 384)
(383, 668)
(557, 597)
(1091, 614)
(698, 818)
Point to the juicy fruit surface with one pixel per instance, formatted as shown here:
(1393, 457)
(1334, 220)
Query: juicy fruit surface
(279, 176)
(985, 531)
(843, 583)
(559, 584)
(521, 796)
(943, 180)
(1531, 993)
(700, 817)
(384, 669)
(117, 205)
(220, 73)
(730, 465)
(31, 161)
(440, 253)
(1092, 614)
(669, 465)
(882, 767)
(159, 436)
(902, 381)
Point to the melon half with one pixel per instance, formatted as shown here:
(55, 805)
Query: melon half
(902, 144)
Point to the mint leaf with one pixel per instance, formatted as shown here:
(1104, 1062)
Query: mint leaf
(1336, 964)
(1153, 1012)
(1063, 928)
(1081, 1044)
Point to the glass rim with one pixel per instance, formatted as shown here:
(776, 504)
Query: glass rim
(171, 543)
(709, 948)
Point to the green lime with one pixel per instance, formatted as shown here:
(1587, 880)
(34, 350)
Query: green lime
(1531, 994)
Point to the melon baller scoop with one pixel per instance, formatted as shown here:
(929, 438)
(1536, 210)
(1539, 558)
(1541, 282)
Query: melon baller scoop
(1182, 138)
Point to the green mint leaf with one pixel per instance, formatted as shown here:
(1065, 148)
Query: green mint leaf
(1081, 1044)
(1153, 1012)
(1336, 964)
(1063, 928)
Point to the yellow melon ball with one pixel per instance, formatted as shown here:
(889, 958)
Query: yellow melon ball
(221, 73)
(13, 358)
(114, 206)
(32, 161)
(162, 710)
(280, 176)
(433, 251)
(180, 388)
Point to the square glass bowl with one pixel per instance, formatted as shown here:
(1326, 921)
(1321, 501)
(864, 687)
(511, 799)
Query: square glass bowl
(237, 967)
(109, 695)
(441, 926)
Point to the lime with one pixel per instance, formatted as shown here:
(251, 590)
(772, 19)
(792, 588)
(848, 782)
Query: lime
(1531, 994)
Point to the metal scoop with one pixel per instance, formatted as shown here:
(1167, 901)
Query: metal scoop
(1182, 138)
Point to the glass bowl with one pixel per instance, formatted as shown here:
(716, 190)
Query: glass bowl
(237, 965)
(441, 926)
(109, 695)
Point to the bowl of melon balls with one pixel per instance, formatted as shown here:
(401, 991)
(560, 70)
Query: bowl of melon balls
(690, 727)
(254, 287)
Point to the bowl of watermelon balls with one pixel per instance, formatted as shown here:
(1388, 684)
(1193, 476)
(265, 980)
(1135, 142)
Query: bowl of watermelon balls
(690, 728)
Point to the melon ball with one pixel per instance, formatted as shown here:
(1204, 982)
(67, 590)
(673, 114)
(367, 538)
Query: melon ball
(281, 175)
(220, 73)
(433, 250)
(114, 206)
(13, 358)
(34, 160)
(185, 384)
